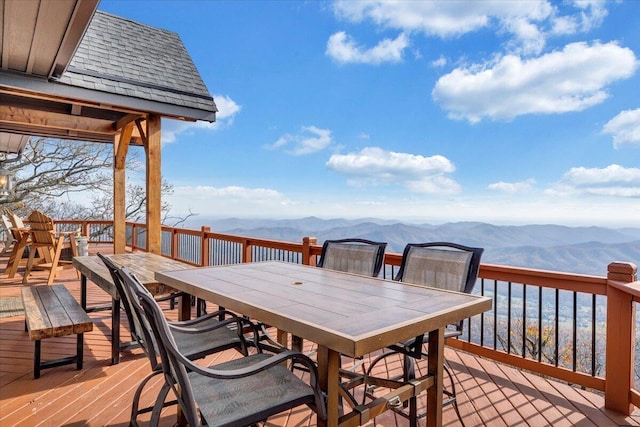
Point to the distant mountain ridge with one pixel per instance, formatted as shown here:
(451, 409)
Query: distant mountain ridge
(584, 250)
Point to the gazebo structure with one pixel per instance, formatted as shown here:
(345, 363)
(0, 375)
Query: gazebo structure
(70, 71)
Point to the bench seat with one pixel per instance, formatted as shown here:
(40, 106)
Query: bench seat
(51, 311)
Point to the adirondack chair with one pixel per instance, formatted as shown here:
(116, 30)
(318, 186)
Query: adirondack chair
(21, 242)
(45, 239)
(5, 226)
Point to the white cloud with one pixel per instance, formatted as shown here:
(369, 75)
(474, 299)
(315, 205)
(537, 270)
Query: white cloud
(442, 19)
(572, 79)
(512, 187)
(528, 23)
(440, 62)
(590, 15)
(625, 128)
(343, 48)
(231, 200)
(227, 110)
(375, 166)
(311, 140)
(613, 180)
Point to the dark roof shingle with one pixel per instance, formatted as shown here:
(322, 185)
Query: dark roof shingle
(123, 57)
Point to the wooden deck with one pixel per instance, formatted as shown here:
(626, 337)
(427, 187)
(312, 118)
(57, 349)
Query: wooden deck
(489, 394)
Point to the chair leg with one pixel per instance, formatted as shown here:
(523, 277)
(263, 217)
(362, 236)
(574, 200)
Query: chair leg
(452, 394)
(27, 271)
(55, 260)
(136, 398)
(157, 408)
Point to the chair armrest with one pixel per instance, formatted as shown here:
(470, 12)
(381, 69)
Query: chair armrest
(212, 327)
(205, 317)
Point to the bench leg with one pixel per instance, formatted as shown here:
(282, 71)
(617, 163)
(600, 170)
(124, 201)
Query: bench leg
(79, 351)
(36, 360)
(38, 365)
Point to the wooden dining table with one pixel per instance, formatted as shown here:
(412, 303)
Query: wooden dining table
(144, 265)
(342, 313)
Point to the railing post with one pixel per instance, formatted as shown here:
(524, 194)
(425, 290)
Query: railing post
(307, 242)
(134, 236)
(246, 251)
(621, 318)
(204, 241)
(174, 243)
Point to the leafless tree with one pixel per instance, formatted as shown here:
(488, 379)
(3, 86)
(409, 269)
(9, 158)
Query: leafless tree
(50, 170)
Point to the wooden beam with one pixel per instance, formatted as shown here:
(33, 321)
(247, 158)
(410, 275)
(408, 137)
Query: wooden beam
(14, 115)
(141, 132)
(126, 120)
(119, 187)
(154, 183)
(122, 146)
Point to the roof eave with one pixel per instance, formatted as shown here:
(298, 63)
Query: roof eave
(54, 89)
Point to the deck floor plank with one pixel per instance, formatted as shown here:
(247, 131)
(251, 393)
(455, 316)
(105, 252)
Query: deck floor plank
(489, 394)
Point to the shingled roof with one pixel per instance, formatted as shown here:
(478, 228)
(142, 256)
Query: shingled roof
(121, 56)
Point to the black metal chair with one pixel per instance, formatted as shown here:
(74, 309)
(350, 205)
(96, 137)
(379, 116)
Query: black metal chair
(240, 392)
(357, 256)
(196, 338)
(442, 265)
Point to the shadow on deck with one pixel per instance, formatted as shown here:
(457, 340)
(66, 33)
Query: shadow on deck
(489, 394)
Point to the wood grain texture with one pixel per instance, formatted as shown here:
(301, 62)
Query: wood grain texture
(51, 311)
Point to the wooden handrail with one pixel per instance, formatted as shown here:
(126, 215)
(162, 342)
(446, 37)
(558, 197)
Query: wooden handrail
(621, 289)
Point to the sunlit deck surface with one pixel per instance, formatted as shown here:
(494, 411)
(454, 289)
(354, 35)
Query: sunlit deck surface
(489, 394)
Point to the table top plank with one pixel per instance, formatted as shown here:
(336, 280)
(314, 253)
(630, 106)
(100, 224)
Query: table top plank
(142, 264)
(349, 313)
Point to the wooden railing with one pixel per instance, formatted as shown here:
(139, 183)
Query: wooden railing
(571, 350)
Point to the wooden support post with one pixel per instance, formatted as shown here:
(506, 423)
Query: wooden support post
(154, 184)
(307, 242)
(621, 319)
(120, 148)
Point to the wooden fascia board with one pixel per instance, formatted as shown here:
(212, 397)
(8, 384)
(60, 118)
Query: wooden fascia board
(54, 120)
(78, 24)
(56, 91)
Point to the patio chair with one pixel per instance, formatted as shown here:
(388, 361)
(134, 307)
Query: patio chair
(357, 256)
(9, 240)
(195, 338)
(442, 265)
(236, 393)
(49, 243)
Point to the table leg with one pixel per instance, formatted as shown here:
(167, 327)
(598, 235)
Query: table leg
(184, 307)
(435, 368)
(83, 292)
(329, 378)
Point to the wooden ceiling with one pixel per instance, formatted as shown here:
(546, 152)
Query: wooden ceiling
(38, 38)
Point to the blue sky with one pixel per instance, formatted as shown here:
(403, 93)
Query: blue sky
(508, 112)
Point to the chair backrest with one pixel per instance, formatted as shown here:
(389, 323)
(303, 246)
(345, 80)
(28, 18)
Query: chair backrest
(16, 221)
(138, 323)
(357, 256)
(440, 264)
(42, 228)
(174, 370)
(6, 224)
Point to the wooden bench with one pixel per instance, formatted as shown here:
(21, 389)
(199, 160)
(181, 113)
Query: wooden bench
(51, 311)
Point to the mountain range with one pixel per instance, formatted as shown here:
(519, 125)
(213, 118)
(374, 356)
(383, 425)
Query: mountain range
(583, 250)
